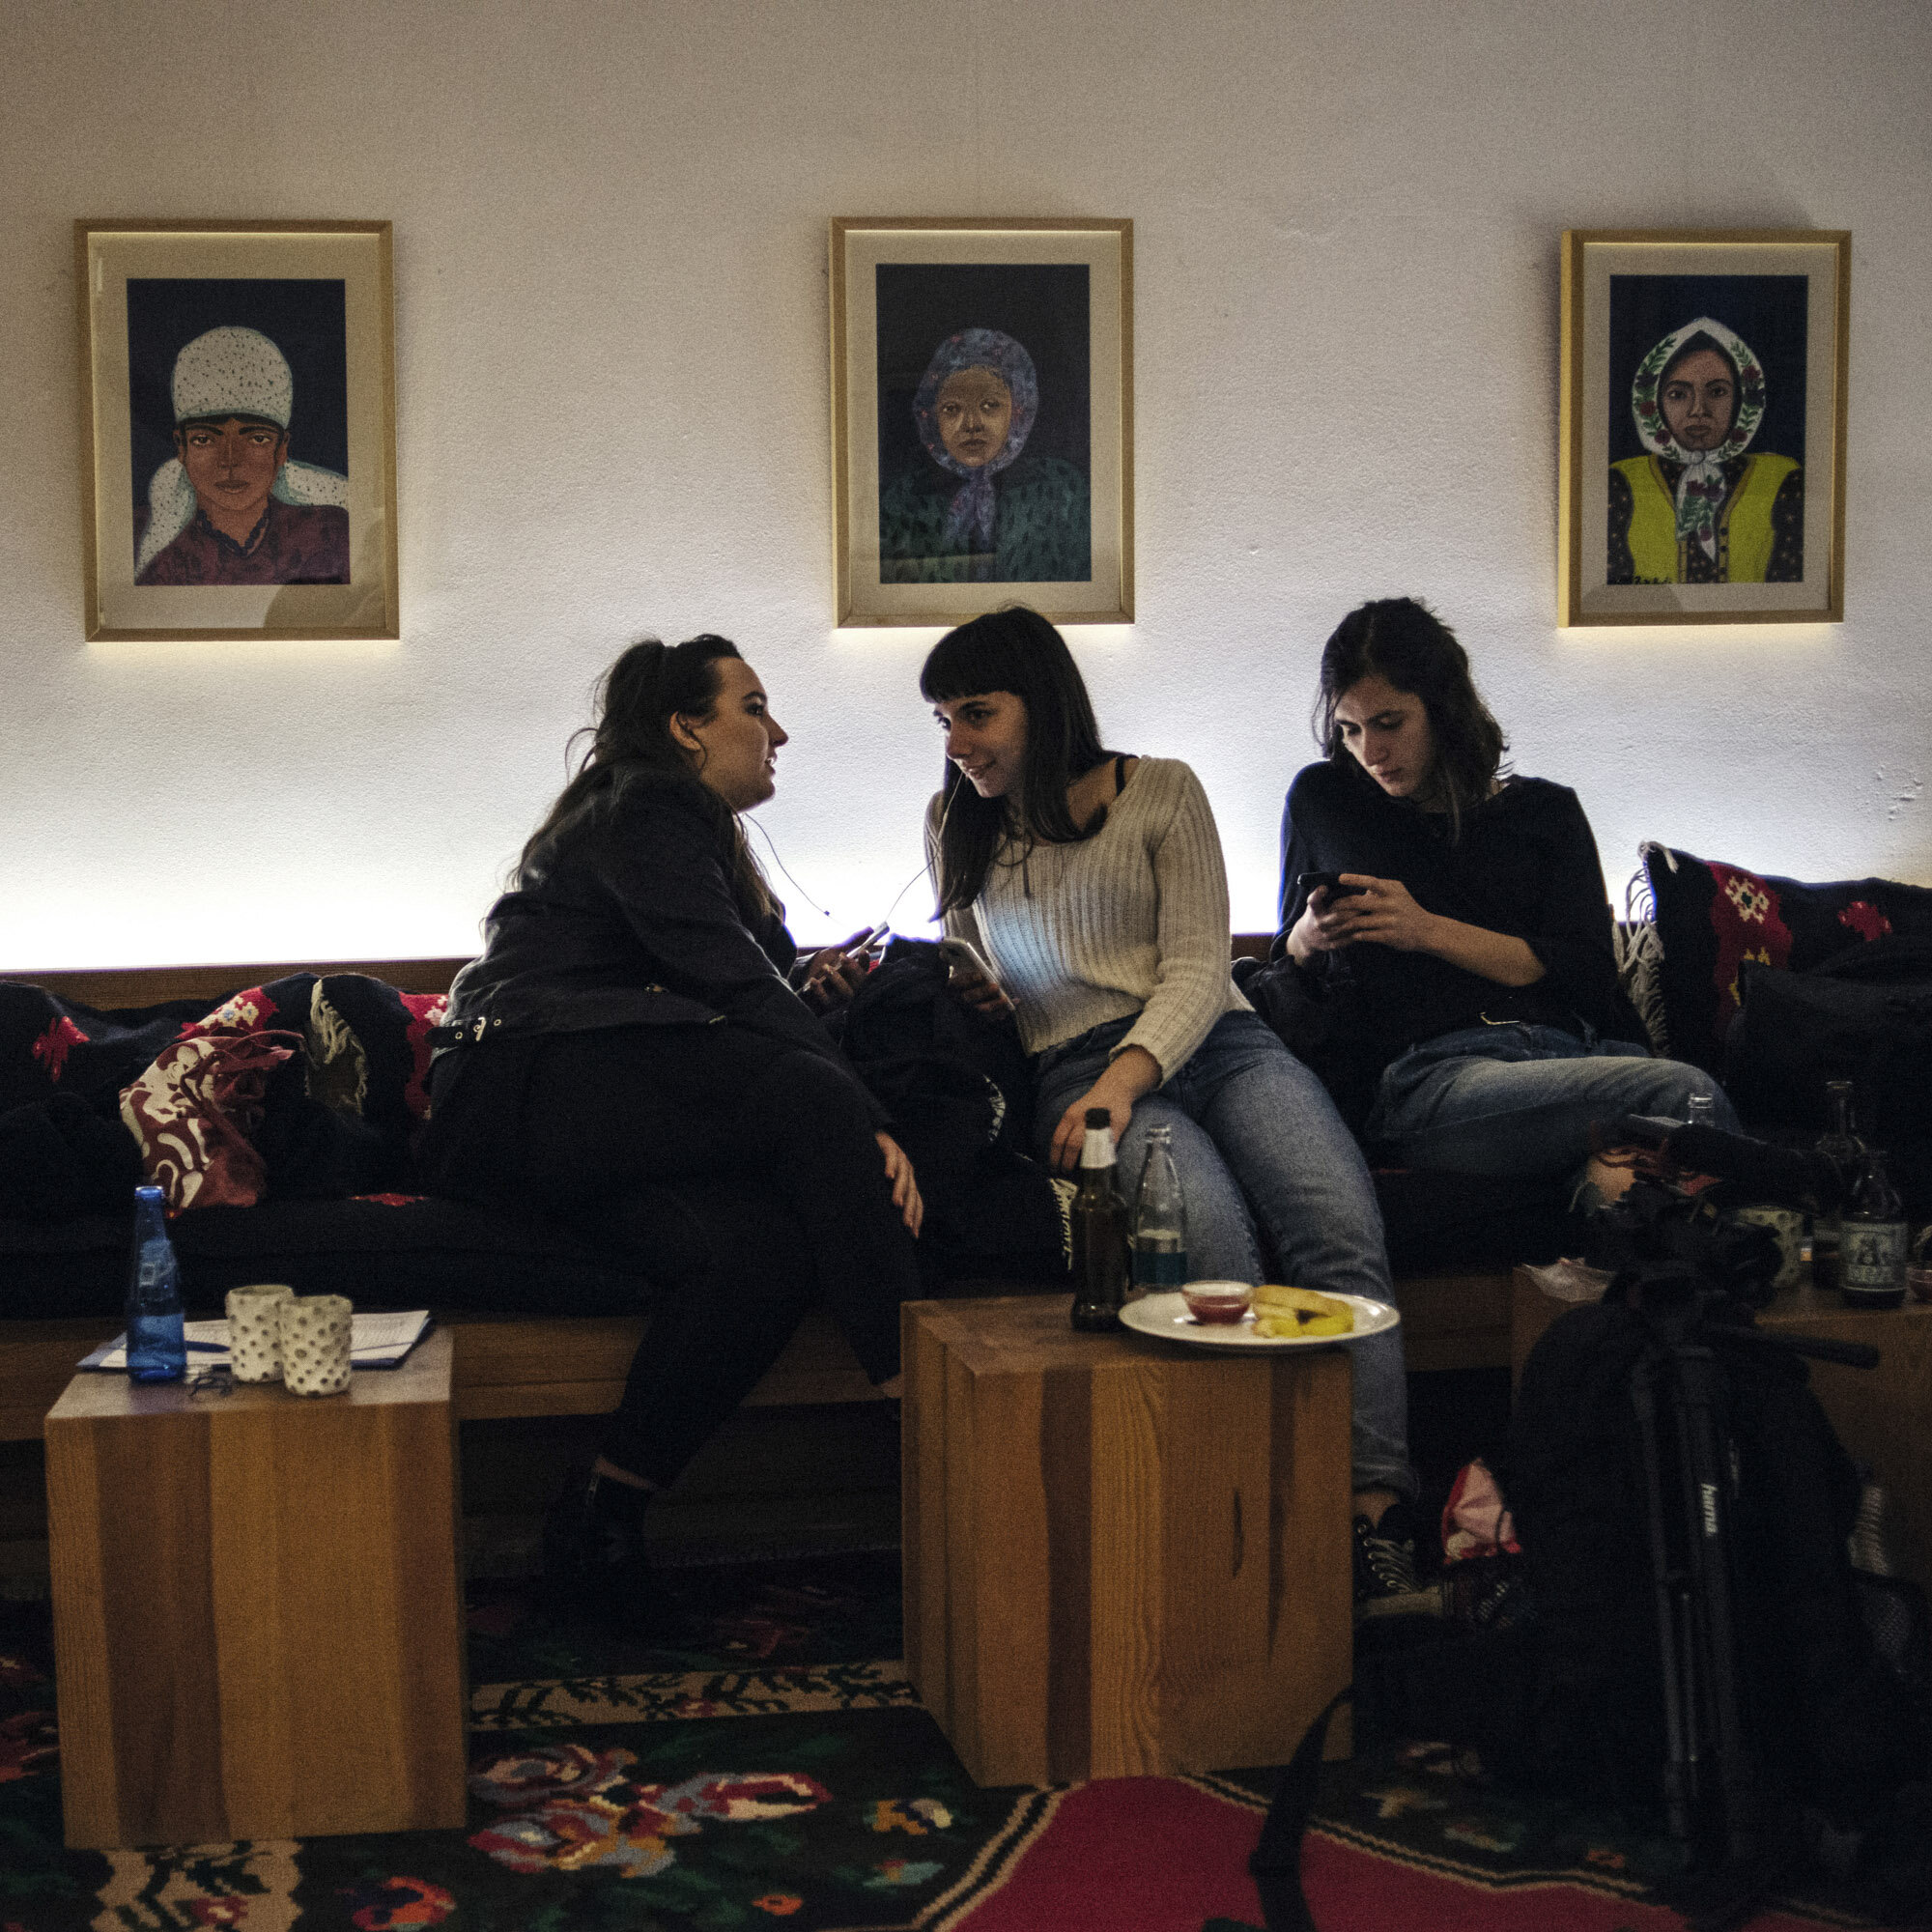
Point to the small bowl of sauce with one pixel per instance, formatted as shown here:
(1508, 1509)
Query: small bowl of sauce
(1217, 1304)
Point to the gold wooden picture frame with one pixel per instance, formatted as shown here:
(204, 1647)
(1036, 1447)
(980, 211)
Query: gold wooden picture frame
(983, 420)
(1701, 469)
(237, 388)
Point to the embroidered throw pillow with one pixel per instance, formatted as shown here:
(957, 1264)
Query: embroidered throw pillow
(369, 1050)
(1712, 917)
(196, 1105)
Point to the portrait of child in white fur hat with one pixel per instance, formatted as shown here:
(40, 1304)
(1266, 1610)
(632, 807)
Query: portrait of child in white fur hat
(231, 504)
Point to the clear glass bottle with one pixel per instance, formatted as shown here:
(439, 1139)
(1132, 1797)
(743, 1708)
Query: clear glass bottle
(1872, 1239)
(1160, 1220)
(1842, 1154)
(157, 1337)
(1099, 1232)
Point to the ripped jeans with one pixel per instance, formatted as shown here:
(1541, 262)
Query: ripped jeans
(1516, 1099)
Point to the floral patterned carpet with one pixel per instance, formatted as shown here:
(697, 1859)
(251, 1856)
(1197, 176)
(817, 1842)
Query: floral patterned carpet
(783, 1774)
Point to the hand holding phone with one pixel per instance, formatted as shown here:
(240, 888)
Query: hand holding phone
(833, 973)
(962, 953)
(1312, 882)
(1326, 922)
(974, 978)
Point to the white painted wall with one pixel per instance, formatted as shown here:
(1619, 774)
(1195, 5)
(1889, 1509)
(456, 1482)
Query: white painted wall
(610, 225)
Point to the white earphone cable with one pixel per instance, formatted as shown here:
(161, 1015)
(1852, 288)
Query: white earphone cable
(946, 813)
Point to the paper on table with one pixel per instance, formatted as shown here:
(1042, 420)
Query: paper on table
(377, 1341)
(1570, 1281)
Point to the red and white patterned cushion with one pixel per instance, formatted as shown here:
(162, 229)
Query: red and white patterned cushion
(195, 1106)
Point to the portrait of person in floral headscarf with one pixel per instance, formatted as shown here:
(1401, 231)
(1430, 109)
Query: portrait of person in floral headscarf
(1701, 506)
(978, 508)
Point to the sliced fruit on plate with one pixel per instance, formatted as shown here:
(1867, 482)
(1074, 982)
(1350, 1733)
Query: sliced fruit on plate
(1300, 1311)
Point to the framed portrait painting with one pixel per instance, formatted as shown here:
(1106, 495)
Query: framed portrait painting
(237, 429)
(1702, 434)
(983, 420)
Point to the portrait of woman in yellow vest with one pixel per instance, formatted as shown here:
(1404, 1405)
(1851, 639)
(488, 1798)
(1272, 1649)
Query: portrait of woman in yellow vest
(1701, 506)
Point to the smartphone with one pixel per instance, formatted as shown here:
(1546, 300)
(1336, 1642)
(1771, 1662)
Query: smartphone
(1311, 882)
(872, 938)
(964, 952)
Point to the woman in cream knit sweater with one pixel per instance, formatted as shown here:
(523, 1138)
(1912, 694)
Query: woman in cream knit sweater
(1092, 884)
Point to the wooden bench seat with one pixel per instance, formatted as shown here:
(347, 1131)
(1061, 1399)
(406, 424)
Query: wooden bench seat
(522, 1365)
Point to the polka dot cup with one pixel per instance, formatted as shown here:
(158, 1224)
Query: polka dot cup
(315, 1344)
(255, 1331)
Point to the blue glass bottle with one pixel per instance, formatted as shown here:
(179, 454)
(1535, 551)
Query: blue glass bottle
(157, 1338)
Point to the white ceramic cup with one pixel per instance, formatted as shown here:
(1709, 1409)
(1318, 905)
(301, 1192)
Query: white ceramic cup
(1788, 1224)
(255, 1331)
(316, 1330)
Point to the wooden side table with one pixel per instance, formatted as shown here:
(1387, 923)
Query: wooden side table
(1882, 1415)
(257, 1623)
(1122, 1556)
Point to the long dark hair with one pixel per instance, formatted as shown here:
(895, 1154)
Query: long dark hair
(630, 736)
(1016, 650)
(1404, 640)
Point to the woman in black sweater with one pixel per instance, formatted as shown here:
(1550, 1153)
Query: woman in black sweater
(1467, 938)
(631, 1027)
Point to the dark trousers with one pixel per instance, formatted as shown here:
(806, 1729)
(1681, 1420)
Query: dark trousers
(769, 1148)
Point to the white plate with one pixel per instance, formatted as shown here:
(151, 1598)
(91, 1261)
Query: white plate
(1166, 1317)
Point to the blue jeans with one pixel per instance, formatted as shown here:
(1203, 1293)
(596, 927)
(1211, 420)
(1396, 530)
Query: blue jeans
(1263, 1158)
(1522, 1099)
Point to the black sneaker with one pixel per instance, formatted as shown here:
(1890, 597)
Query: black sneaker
(595, 1564)
(1386, 1563)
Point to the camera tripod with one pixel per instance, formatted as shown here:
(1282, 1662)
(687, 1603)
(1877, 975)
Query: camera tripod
(1716, 1801)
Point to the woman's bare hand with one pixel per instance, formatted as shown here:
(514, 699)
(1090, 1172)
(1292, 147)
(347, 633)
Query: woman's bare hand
(1317, 930)
(1386, 914)
(1130, 1074)
(832, 975)
(905, 1187)
(972, 988)
(1383, 913)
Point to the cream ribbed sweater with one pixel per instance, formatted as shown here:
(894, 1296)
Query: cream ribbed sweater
(1132, 919)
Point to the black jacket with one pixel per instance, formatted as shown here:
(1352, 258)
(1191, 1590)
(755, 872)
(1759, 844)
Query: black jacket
(960, 1090)
(630, 918)
(1526, 864)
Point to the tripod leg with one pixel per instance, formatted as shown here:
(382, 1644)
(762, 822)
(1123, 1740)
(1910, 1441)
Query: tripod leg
(1680, 1781)
(1708, 1481)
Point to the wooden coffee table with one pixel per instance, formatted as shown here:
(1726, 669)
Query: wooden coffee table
(257, 1608)
(1122, 1557)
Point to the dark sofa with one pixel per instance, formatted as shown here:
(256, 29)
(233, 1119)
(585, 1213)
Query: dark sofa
(338, 1212)
(336, 1208)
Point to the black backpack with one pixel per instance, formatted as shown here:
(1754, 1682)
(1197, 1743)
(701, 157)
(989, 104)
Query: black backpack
(1833, 1730)
(960, 1094)
(1565, 1696)
(1865, 1015)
